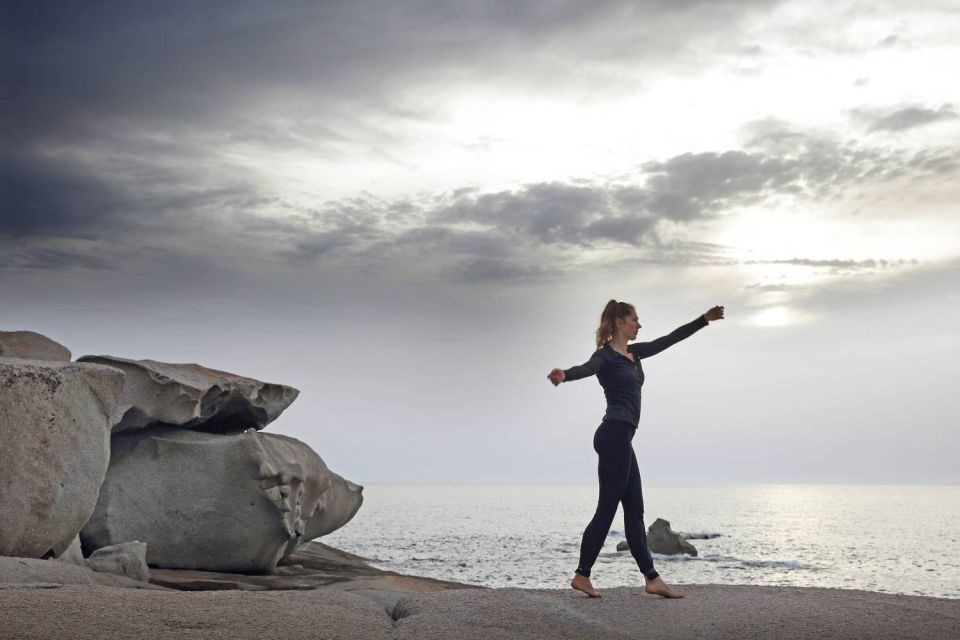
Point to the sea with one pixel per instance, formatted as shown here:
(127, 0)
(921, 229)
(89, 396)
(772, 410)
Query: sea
(890, 539)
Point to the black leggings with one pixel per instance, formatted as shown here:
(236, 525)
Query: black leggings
(619, 482)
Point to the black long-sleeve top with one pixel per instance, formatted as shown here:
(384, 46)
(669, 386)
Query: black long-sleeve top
(621, 377)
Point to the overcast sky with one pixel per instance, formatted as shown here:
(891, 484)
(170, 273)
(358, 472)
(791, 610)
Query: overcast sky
(412, 211)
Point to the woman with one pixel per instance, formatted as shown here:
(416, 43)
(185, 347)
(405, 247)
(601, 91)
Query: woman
(617, 367)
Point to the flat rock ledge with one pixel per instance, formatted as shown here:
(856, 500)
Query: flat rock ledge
(718, 612)
(19, 573)
(312, 566)
(192, 396)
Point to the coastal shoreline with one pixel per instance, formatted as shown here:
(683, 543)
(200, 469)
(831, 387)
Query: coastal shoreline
(324, 592)
(714, 611)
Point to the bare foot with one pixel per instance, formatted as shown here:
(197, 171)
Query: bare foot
(657, 587)
(582, 583)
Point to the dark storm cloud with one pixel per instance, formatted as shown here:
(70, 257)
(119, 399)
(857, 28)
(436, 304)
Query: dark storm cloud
(691, 185)
(52, 258)
(628, 228)
(50, 196)
(468, 231)
(549, 213)
(91, 78)
(188, 64)
(903, 117)
(821, 165)
(682, 189)
(687, 188)
(116, 116)
(53, 197)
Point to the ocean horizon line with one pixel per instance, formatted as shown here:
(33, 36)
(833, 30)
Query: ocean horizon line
(661, 484)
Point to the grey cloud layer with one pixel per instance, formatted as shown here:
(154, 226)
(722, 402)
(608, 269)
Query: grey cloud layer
(903, 117)
(843, 265)
(263, 67)
(118, 115)
(104, 98)
(471, 234)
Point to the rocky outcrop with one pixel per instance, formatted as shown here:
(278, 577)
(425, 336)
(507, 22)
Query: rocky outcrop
(662, 539)
(220, 502)
(127, 559)
(314, 566)
(31, 346)
(33, 571)
(55, 434)
(188, 472)
(193, 397)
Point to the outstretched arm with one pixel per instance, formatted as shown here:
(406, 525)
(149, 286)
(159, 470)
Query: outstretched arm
(588, 368)
(652, 348)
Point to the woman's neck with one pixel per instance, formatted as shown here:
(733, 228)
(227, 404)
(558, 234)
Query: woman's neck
(618, 343)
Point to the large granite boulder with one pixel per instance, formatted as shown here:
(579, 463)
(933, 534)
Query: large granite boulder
(193, 397)
(662, 539)
(219, 502)
(31, 346)
(54, 451)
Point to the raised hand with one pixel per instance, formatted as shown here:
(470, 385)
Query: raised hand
(556, 376)
(714, 313)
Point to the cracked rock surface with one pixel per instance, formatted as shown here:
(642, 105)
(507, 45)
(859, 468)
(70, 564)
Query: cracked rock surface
(217, 502)
(193, 397)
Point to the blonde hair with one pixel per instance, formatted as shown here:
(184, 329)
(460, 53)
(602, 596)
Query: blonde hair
(611, 313)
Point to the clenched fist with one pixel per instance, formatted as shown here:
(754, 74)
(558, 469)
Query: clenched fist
(714, 313)
(556, 376)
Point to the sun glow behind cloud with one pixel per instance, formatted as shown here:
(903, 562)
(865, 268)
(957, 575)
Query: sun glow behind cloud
(779, 316)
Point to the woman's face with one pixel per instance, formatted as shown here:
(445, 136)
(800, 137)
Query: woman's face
(629, 326)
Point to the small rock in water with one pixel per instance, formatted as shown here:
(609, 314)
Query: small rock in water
(662, 539)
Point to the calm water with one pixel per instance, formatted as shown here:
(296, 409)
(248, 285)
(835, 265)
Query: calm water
(895, 539)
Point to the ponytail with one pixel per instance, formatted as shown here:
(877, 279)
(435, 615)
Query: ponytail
(608, 325)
